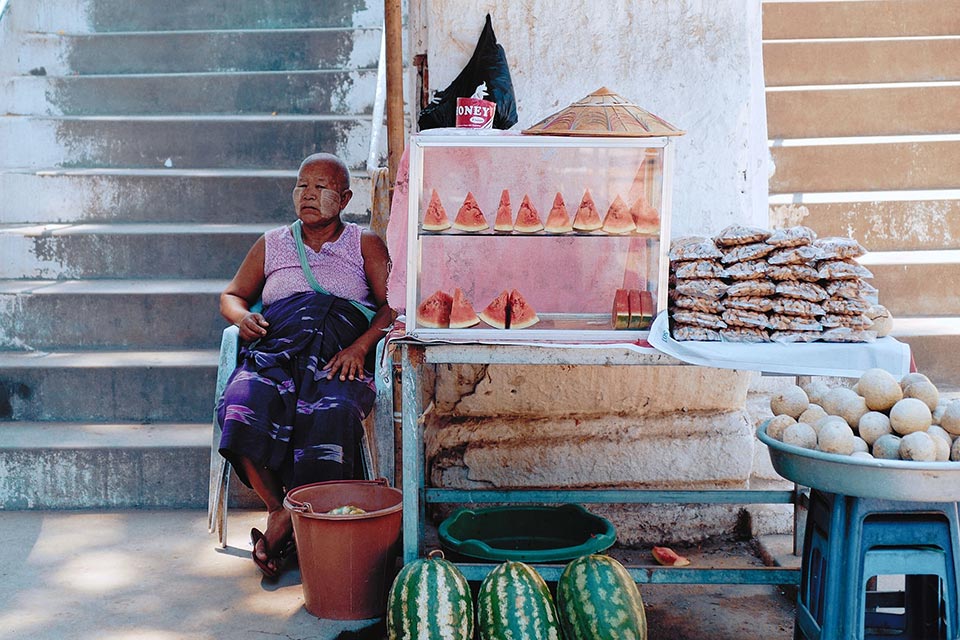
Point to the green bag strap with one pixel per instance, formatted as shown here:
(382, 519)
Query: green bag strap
(308, 273)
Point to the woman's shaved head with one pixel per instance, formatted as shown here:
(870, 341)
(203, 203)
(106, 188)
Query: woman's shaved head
(331, 163)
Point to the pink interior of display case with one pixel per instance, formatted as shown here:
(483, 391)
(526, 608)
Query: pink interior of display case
(555, 273)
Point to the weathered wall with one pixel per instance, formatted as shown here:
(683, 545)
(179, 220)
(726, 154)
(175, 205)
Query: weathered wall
(697, 64)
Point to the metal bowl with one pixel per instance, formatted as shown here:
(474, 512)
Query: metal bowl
(883, 479)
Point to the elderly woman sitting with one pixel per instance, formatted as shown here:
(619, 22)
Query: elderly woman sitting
(291, 412)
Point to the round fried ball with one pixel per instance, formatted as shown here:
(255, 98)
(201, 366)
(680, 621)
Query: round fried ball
(836, 438)
(852, 408)
(873, 424)
(925, 391)
(887, 447)
(777, 425)
(950, 419)
(835, 398)
(816, 390)
(909, 416)
(910, 378)
(862, 454)
(918, 446)
(812, 415)
(800, 435)
(792, 401)
(879, 389)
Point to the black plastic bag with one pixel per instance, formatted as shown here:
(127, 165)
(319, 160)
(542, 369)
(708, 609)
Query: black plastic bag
(488, 64)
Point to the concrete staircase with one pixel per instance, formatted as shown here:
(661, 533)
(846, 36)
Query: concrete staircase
(863, 112)
(143, 149)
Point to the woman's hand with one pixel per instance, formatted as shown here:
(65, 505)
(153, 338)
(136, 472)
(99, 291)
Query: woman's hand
(253, 326)
(348, 363)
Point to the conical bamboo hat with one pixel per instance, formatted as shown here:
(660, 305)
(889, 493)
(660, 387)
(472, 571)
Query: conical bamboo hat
(604, 113)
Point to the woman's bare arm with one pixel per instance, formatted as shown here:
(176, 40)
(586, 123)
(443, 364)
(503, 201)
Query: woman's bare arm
(243, 291)
(376, 262)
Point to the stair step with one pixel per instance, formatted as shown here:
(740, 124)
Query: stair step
(861, 60)
(170, 195)
(199, 50)
(284, 92)
(150, 251)
(123, 15)
(917, 283)
(107, 386)
(863, 163)
(879, 220)
(81, 465)
(96, 314)
(934, 343)
(184, 142)
(858, 110)
(806, 19)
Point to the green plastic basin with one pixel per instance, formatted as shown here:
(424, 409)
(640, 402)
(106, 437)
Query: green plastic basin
(526, 533)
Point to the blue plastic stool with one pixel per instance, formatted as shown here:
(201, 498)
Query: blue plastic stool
(849, 540)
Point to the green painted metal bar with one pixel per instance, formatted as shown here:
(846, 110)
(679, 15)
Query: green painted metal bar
(665, 575)
(412, 452)
(609, 496)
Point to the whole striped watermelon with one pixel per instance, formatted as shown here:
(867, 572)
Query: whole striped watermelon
(598, 600)
(430, 600)
(514, 602)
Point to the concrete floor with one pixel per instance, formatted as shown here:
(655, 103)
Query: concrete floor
(158, 575)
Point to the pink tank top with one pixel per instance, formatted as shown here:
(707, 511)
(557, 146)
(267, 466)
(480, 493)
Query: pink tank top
(338, 267)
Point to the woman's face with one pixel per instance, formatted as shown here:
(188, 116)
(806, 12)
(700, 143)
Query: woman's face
(320, 194)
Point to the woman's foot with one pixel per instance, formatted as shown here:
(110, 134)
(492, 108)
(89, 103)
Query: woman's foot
(273, 547)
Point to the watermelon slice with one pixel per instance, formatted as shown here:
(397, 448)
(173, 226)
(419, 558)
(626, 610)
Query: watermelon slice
(435, 219)
(636, 309)
(521, 314)
(528, 220)
(558, 221)
(462, 314)
(669, 557)
(645, 217)
(647, 310)
(587, 218)
(434, 312)
(621, 309)
(496, 313)
(470, 218)
(618, 219)
(504, 220)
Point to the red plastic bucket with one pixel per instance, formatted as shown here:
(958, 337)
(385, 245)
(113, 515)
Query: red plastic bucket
(347, 562)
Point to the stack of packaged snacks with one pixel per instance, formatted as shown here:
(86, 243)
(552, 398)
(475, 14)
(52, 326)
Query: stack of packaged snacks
(696, 290)
(745, 266)
(755, 285)
(846, 305)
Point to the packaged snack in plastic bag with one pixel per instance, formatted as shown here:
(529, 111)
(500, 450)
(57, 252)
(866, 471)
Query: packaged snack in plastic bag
(698, 269)
(846, 306)
(836, 248)
(853, 321)
(800, 272)
(797, 307)
(693, 248)
(782, 322)
(792, 237)
(803, 290)
(746, 253)
(753, 270)
(749, 303)
(686, 332)
(706, 305)
(795, 255)
(751, 288)
(744, 334)
(842, 270)
(699, 319)
(705, 288)
(744, 318)
(846, 334)
(855, 289)
(795, 336)
(737, 234)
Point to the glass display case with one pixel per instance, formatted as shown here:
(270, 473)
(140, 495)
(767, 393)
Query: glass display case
(532, 238)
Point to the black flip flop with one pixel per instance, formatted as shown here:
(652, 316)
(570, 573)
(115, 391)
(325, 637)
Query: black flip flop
(289, 550)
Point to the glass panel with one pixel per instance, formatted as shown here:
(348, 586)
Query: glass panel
(570, 278)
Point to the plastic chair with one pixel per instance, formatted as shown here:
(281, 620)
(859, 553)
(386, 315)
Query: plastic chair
(849, 540)
(220, 468)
